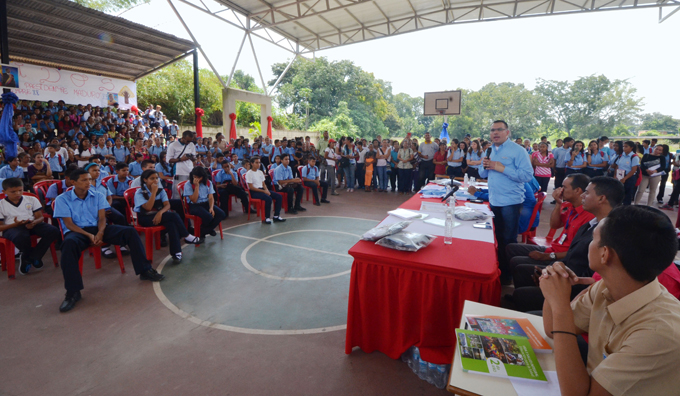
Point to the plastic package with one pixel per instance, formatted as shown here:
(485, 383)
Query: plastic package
(406, 241)
(435, 374)
(377, 233)
(467, 214)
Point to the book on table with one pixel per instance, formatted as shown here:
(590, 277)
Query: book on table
(498, 355)
(508, 326)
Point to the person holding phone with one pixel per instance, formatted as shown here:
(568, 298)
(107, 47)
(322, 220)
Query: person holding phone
(181, 154)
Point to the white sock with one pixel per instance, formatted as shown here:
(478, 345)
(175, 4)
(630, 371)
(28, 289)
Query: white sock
(191, 238)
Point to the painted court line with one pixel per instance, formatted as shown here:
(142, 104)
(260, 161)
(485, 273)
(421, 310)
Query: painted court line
(266, 239)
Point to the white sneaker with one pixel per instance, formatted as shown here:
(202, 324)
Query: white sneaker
(268, 221)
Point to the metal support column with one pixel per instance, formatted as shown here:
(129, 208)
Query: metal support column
(4, 36)
(197, 90)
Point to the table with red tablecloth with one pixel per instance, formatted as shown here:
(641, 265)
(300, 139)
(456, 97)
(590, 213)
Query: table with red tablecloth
(399, 299)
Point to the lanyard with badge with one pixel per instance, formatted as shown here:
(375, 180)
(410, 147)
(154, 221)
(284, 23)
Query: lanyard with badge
(566, 226)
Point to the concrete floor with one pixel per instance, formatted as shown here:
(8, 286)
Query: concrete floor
(121, 339)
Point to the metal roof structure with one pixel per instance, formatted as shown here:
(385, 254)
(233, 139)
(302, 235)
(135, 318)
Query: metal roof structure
(305, 26)
(61, 33)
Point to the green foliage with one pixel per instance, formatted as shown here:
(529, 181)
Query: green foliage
(341, 124)
(660, 122)
(110, 5)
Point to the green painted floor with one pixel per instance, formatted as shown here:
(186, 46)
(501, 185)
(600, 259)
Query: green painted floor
(286, 277)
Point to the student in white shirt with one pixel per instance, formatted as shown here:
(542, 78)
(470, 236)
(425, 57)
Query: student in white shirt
(330, 156)
(181, 154)
(361, 171)
(383, 156)
(258, 190)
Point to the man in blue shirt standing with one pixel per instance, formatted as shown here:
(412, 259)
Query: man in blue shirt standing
(506, 167)
(82, 213)
(561, 154)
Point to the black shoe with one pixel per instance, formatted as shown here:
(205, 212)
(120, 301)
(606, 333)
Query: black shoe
(123, 250)
(70, 302)
(24, 265)
(151, 275)
(300, 208)
(177, 258)
(213, 233)
(279, 219)
(164, 241)
(109, 252)
(325, 201)
(317, 204)
(552, 203)
(37, 264)
(292, 211)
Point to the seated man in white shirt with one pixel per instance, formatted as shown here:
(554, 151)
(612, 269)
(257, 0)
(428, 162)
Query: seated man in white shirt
(258, 190)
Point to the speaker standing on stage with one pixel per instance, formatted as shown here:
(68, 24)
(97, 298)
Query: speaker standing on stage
(507, 167)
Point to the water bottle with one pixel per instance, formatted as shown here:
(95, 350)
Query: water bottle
(466, 181)
(448, 227)
(441, 378)
(422, 369)
(431, 373)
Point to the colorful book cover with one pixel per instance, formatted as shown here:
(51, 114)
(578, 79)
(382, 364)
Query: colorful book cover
(498, 355)
(509, 326)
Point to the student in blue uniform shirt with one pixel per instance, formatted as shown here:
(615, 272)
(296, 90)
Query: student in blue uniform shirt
(597, 159)
(12, 169)
(239, 150)
(117, 185)
(164, 169)
(153, 209)
(112, 215)
(576, 159)
(256, 150)
(625, 169)
(82, 213)
(455, 160)
(102, 149)
(157, 148)
(199, 192)
(57, 189)
(135, 168)
(201, 147)
(276, 162)
(285, 182)
(119, 151)
(227, 184)
(310, 178)
(57, 163)
(277, 149)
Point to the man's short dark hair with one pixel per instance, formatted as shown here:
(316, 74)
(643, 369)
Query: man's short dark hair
(502, 122)
(544, 137)
(12, 182)
(187, 133)
(579, 180)
(121, 166)
(146, 162)
(646, 141)
(568, 139)
(69, 170)
(611, 188)
(254, 158)
(139, 155)
(75, 175)
(643, 238)
(284, 156)
(603, 138)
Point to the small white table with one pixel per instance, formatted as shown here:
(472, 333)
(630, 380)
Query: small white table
(470, 384)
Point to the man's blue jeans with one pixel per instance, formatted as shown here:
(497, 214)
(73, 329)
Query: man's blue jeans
(506, 224)
(382, 177)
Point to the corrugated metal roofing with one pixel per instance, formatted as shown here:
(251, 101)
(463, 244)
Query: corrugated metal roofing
(321, 24)
(61, 33)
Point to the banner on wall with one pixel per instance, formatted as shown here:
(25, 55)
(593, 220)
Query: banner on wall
(47, 83)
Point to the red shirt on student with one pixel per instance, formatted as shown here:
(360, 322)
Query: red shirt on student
(573, 219)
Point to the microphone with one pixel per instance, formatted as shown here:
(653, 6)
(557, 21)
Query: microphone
(488, 153)
(450, 193)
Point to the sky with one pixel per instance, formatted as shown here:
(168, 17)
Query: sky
(626, 45)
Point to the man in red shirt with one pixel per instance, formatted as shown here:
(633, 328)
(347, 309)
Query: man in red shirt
(568, 214)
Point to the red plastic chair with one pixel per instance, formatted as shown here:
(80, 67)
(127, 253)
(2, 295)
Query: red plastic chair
(258, 203)
(307, 188)
(95, 251)
(106, 179)
(149, 232)
(187, 216)
(7, 251)
(284, 196)
(530, 233)
(41, 188)
(547, 241)
(213, 174)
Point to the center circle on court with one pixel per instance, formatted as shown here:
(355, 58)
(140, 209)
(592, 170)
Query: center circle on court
(285, 278)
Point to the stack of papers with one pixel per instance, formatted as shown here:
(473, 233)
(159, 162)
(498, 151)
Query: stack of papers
(480, 207)
(407, 214)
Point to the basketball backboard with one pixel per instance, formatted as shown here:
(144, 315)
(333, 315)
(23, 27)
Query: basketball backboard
(442, 103)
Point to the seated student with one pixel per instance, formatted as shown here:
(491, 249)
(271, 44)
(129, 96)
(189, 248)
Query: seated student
(153, 208)
(147, 164)
(12, 169)
(633, 323)
(277, 162)
(20, 217)
(117, 185)
(110, 166)
(236, 163)
(258, 190)
(103, 170)
(120, 152)
(57, 189)
(39, 170)
(56, 161)
(83, 219)
(135, 168)
(199, 193)
(310, 177)
(164, 170)
(216, 162)
(284, 182)
(226, 181)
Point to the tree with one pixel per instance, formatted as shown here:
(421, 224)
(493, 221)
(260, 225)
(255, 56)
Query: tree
(659, 122)
(110, 5)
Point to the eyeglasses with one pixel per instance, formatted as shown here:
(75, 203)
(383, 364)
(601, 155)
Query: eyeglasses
(497, 130)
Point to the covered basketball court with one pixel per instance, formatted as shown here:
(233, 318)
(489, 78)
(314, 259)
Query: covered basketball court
(262, 311)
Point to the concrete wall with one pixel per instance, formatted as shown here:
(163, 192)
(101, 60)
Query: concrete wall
(276, 134)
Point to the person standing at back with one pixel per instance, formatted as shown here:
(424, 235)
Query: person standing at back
(181, 154)
(507, 167)
(427, 151)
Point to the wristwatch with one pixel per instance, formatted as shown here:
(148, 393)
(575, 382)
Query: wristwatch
(552, 256)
